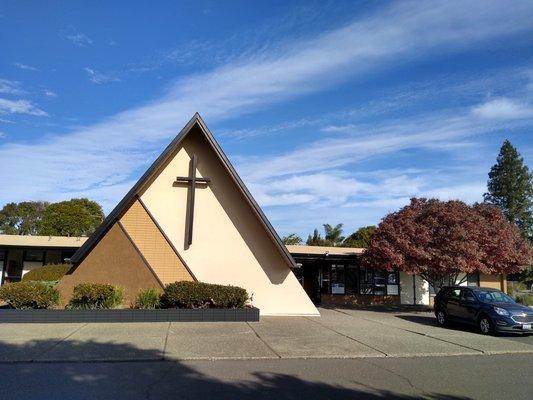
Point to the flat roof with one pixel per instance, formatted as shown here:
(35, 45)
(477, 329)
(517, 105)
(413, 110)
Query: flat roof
(324, 250)
(64, 241)
(41, 241)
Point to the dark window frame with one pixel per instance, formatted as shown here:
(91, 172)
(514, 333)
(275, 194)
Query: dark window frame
(369, 282)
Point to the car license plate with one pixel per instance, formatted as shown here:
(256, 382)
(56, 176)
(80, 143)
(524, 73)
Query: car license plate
(526, 326)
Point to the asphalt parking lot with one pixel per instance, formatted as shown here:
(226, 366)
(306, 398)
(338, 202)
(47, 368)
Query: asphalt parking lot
(338, 333)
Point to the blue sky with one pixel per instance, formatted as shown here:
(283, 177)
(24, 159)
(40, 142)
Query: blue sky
(330, 111)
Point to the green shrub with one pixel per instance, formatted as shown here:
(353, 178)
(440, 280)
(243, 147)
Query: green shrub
(25, 295)
(88, 296)
(526, 299)
(49, 273)
(148, 299)
(203, 295)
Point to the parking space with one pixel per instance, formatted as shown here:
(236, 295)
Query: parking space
(338, 333)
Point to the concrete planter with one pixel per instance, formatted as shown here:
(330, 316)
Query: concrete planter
(125, 315)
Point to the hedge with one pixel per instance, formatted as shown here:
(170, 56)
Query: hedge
(203, 295)
(50, 272)
(26, 295)
(147, 299)
(88, 296)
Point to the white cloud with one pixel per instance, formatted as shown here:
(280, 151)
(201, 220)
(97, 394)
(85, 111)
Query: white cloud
(108, 152)
(503, 109)
(20, 107)
(76, 37)
(49, 93)
(25, 67)
(99, 77)
(10, 87)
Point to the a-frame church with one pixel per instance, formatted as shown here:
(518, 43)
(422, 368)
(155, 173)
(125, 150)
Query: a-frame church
(190, 217)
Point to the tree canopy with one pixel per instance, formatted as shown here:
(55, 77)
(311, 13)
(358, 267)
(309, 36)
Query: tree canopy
(360, 238)
(292, 239)
(22, 218)
(75, 217)
(510, 187)
(441, 241)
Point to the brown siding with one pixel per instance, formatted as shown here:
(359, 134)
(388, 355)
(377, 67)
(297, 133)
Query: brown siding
(153, 245)
(493, 281)
(114, 260)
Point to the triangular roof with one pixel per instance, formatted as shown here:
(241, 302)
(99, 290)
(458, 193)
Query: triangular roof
(136, 190)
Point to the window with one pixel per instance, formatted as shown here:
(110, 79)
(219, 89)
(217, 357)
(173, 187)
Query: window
(472, 279)
(34, 255)
(468, 295)
(380, 287)
(2, 255)
(455, 293)
(337, 279)
(366, 286)
(352, 286)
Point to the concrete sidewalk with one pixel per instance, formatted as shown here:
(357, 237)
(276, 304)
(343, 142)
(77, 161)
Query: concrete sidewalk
(336, 334)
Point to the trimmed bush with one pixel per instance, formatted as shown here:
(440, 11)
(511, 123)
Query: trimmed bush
(203, 295)
(148, 299)
(49, 273)
(89, 296)
(27, 295)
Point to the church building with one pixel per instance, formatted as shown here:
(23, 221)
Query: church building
(190, 217)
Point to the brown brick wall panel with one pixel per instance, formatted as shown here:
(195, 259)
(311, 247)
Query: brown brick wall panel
(153, 245)
(114, 260)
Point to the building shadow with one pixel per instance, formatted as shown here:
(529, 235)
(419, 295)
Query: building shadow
(81, 376)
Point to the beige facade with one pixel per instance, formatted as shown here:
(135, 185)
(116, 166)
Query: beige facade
(230, 245)
(233, 243)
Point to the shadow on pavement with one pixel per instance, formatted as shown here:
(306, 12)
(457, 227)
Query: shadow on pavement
(155, 379)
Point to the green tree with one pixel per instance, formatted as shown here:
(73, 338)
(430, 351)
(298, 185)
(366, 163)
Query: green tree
(333, 234)
(292, 239)
(510, 187)
(316, 239)
(360, 238)
(75, 217)
(22, 218)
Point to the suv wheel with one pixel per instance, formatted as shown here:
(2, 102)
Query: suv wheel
(485, 325)
(442, 320)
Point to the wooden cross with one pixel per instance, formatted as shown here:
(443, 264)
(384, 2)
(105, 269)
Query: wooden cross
(192, 181)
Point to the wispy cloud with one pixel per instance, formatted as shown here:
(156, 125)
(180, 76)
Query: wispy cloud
(403, 32)
(49, 93)
(10, 87)
(99, 77)
(20, 107)
(76, 37)
(503, 109)
(25, 67)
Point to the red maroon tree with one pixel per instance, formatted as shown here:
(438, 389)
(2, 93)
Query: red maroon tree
(441, 241)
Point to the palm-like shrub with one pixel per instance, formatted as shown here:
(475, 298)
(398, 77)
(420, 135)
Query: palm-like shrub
(148, 299)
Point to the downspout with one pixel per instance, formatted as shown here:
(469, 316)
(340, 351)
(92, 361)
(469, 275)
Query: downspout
(414, 289)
